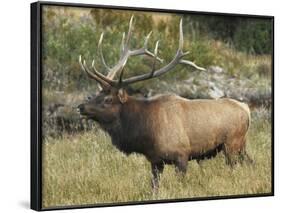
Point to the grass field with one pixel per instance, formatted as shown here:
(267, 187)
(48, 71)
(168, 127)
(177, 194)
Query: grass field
(86, 169)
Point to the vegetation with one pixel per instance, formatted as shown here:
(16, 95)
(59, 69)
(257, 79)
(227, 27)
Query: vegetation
(70, 32)
(87, 169)
(81, 166)
(252, 35)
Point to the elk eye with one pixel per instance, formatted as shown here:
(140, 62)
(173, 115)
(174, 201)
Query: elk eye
(108, 100)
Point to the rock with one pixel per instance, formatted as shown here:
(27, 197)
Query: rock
(215, 69)
(215, 92)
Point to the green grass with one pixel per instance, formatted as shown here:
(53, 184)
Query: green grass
(87, 169)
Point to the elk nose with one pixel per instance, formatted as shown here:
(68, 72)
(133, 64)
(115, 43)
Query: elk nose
(80, 108)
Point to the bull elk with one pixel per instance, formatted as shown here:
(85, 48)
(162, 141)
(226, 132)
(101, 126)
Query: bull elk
(166, 129)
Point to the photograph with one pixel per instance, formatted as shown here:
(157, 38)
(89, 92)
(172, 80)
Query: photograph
(146, 105)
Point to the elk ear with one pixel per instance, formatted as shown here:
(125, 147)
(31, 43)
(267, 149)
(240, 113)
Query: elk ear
(122, 95)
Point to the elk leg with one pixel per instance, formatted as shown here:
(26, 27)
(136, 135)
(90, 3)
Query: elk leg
(181, 165)
(236, 148)
(244, 156)
(199, 162)
(227, 154)
(157, 169)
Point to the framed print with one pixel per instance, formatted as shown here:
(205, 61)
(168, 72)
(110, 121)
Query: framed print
(137, 105)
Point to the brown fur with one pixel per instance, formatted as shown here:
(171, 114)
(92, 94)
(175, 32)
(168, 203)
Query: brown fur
(168, 129)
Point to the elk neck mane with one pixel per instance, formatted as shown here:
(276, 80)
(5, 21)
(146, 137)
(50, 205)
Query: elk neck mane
(131, 128)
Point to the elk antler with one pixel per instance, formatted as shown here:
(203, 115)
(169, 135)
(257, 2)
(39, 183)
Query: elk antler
(103, 84)
(126, 53)
(177, 60)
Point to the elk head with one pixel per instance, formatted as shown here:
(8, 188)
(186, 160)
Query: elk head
(105, 106)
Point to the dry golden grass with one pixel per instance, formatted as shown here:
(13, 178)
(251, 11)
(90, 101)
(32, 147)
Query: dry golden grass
(86, 169)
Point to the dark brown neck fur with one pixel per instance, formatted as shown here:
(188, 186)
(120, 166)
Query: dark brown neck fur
(123, 135)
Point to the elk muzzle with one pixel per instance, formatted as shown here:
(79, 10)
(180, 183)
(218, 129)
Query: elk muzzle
(81, 109)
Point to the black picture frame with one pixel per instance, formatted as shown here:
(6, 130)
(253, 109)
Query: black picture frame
(36, 105)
